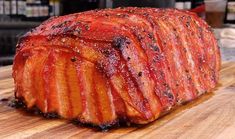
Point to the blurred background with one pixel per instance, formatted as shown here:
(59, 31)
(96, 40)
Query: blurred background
(19, 16)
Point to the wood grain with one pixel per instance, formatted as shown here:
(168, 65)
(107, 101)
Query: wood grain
(210, 116)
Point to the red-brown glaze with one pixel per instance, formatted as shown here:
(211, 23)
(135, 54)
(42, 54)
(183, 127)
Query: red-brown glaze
(108, 65)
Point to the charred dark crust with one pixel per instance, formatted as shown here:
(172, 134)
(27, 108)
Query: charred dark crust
(119, 42)
(19, 103)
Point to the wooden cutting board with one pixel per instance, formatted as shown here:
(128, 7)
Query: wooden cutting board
(210, 116)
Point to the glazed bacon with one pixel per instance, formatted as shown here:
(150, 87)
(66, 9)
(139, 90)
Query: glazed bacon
(103, 66)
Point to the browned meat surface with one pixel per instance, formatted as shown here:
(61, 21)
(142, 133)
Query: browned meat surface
(103, 66)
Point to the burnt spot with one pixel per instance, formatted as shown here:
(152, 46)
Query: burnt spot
(140, 37)
(187, 24)
(105, 127)
(20, 104)
(154, 47)
(71, 31)
(106, 52)
(197, 92)
(100, 128)
(119, 42)
(34, 110)
(164, 42)
(51, 115)
(73, 59)
(17, 103)
(128, 58)
(60, 25)
(166, 85)
(168, 94)
(66, 29)
(42, 28)
(151, 36)
(106, 14)
(87, 27)
(140, 73)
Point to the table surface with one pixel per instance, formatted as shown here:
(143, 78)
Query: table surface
(210, 116)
